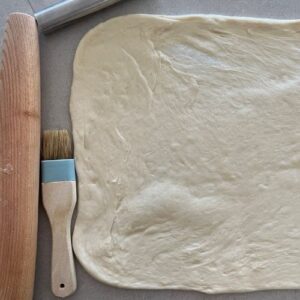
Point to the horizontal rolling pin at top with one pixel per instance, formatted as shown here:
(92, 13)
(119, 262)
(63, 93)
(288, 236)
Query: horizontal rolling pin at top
(19, 156)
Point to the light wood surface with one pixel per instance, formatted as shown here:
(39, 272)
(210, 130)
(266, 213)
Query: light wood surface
(59, 199)
(19, 157)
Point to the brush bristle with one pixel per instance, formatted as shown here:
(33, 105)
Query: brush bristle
(56, 145)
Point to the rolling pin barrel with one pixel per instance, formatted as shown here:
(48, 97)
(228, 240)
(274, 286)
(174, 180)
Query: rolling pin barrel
(65, 11)
(19, 157)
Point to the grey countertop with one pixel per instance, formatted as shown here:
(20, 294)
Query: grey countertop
(57, 52)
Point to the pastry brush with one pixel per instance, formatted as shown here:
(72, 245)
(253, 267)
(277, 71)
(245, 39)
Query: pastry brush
(59, 199)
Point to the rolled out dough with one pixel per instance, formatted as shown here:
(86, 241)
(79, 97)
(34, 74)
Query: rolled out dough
(187, 143)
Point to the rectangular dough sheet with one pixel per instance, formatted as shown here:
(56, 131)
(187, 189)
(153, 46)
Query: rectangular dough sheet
(187, 144)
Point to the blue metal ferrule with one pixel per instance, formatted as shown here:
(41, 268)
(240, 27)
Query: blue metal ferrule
(58, 170)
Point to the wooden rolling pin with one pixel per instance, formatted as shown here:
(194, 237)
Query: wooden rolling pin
(19, 156)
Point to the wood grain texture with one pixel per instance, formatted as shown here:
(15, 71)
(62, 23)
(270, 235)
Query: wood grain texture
(59, 199)
(19, 157)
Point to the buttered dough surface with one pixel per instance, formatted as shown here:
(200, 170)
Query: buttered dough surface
(187, 146)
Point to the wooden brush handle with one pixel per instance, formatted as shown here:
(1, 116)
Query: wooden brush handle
(59, 199)
(19, 156)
